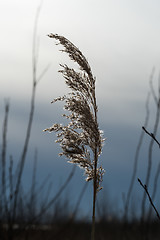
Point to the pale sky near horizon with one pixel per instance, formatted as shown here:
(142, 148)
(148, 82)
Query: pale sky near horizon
(120, 39)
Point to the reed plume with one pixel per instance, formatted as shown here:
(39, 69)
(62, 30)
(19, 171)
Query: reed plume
(81, 140)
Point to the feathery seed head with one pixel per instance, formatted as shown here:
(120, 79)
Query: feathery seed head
(81, 137)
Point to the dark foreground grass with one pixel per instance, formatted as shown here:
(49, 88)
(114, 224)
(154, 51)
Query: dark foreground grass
(115, 230)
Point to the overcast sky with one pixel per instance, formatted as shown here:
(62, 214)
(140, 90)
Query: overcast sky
(119, 38)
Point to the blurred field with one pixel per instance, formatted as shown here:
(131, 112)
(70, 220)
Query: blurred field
(81, 231)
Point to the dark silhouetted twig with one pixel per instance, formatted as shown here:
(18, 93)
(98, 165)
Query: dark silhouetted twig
(149, 197)
(151, 135)
(150, 149)
(154, 189)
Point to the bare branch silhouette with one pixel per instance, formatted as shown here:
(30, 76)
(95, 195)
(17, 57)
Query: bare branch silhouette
(151, 135)
(150, 149)
(149, 197)
(154, 189)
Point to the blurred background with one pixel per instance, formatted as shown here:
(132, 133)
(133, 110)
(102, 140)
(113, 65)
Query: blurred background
(120, 39)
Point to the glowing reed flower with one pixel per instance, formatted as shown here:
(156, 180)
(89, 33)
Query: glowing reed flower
(80, 140)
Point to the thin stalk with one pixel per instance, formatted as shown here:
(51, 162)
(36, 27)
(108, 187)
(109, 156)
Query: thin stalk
(95, 177)
(4, 147)
(150, 153)
(23, 157)
(94, 195)
(32, 107)
(126, 207)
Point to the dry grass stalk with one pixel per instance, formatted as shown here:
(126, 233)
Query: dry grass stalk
(81, 140)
